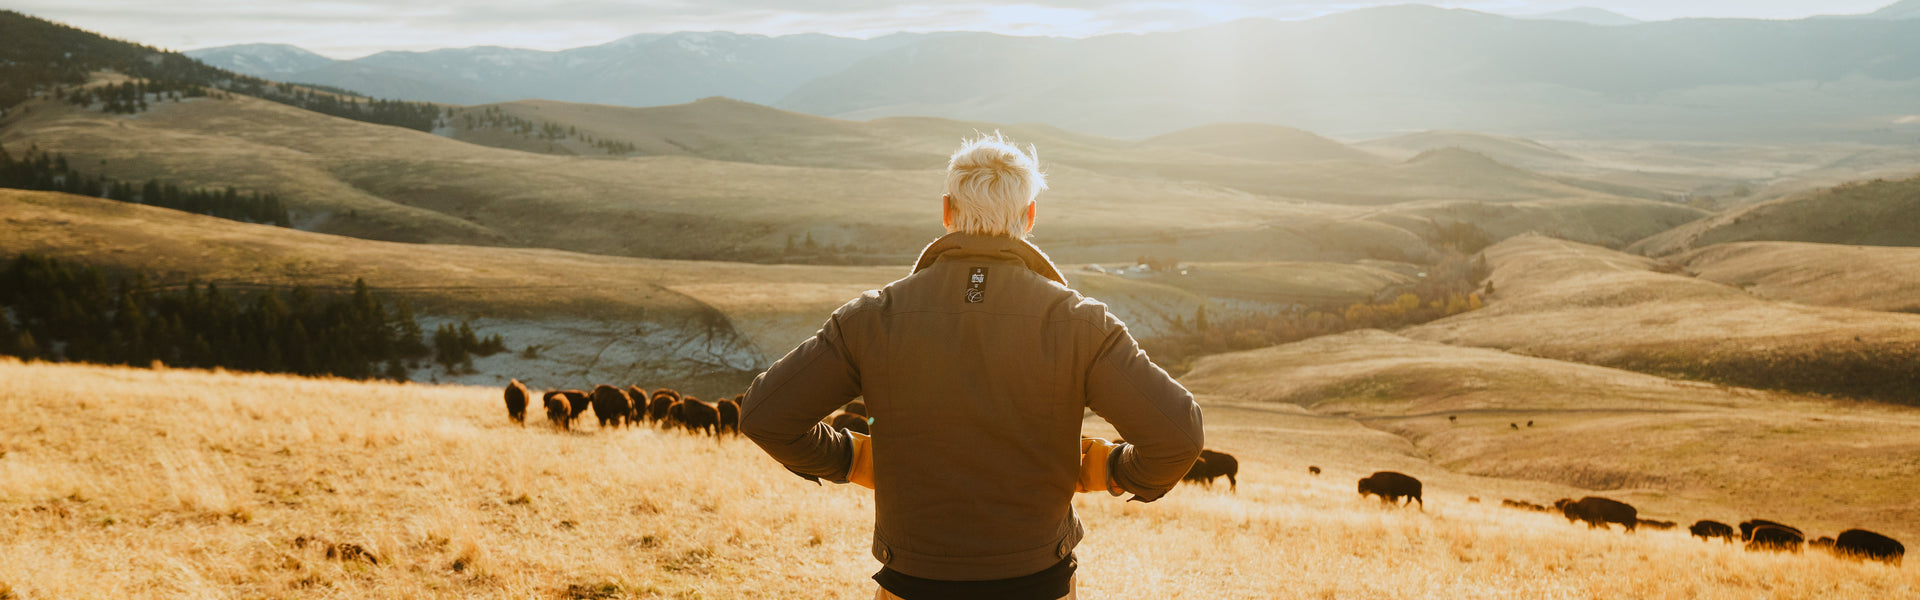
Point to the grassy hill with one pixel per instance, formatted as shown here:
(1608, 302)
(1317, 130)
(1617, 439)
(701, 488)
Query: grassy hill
(1109, 202)
(1870, 213)
(1259, 141)
(1678, 450)
(1519, 152)
(1568, 301)
(1864, 277)
(704, 325)
(165, 484)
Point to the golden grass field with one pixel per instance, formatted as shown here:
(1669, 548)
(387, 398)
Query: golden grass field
(131, 483)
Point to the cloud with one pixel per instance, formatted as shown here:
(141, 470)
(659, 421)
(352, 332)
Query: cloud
(351, 28)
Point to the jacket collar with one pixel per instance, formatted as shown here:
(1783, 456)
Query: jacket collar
(960, 245)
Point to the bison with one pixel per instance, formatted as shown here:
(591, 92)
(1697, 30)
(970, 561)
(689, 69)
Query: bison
(1313, 470)
(559, 410)
(1598, 512)
(1658, 525)
(517, 396)
(1777, 538)
(729, 414)
(611, 405)
(698, 416)
(1212, 465)
(1867, 545)
(579, 401)
(1707, 530)
(1391, 487)
(639, 398)
(850, 422)
(1747, 528)
(659, 408)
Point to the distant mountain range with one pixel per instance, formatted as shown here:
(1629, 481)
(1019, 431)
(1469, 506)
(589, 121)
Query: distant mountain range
(1365, 73)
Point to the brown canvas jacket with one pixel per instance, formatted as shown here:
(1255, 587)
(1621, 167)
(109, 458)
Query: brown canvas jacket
(976, 387)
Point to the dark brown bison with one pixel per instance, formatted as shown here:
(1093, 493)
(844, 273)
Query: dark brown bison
(1313, 470)
(1707, 530)
(611, 405)
(559, 410)
(1524, 505)
(1598, 512)
(639, 398)
(659, 408)
(1777, 538)
(1658, 525)
(1391, 487)
(857, 407)
(1747, 528)
(698, 416)
(1822, 543)
(1212, 465)
(517, 396)
(579, 401)
(850, 422)
(729, 415)
(1867, 545)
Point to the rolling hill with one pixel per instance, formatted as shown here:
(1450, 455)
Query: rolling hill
(1519, 152)
(707, 326)
(736, 181)
(1256, 141)
(1863, 277)
(1871, 213)
(1557, 299)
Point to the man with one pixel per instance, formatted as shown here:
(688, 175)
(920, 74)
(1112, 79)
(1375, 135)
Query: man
(976, 370)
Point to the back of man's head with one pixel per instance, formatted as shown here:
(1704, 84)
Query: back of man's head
(990, 183)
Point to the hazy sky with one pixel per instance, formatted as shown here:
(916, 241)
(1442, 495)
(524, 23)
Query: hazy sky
(354, 28)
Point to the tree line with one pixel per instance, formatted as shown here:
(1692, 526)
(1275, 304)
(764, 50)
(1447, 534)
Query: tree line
(40, 57)
(41, 171)
(55, 311)
(492, 118)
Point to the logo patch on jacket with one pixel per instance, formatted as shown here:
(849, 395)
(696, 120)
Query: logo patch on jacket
(977, 285)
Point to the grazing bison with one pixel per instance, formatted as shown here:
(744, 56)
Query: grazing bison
(1524, 505)
(1707, 530)
(698, 416)
(1659, 525)
(611, 405)
(1598, 512)
(517, 396)
(1212, 465)
(1747, 528)
(857, 407)
(1777, 538)
(729, 414)
(559, 410)
(1391, 487)
(659, 408)
(639, 398)
(1823, 543)
(579, 401)
(1313, 470)
(1867, 545)
(1515, 426)
(850, 422)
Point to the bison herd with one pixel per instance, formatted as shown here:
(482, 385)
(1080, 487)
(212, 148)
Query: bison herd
(1756, 534)
(617, 407)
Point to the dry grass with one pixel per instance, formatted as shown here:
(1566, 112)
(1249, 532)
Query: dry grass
(176, 484)
(1864, 277)
(1876, 213)
(1678, 450)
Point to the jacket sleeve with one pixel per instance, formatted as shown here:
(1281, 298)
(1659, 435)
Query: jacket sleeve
(1154, 413)
(783, 407)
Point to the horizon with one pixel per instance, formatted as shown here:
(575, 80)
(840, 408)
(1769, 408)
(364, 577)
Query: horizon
(348, 30)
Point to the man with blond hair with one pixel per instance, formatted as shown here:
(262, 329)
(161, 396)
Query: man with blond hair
(976, 370)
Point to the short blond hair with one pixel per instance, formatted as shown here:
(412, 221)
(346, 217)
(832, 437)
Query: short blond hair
(990, 182)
